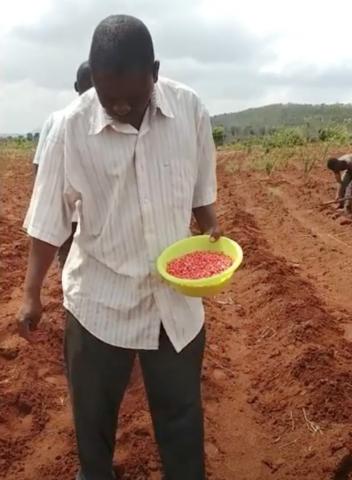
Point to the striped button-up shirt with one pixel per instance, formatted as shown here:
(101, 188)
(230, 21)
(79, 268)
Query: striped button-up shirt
(134, 192)
(48, 125)
(55, 117)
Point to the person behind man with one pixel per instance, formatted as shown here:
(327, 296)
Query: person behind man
(136, 156)
(82, 84)
(344, 190)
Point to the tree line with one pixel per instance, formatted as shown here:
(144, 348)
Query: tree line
(271, 137)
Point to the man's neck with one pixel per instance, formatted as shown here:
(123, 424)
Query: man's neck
(137, 122)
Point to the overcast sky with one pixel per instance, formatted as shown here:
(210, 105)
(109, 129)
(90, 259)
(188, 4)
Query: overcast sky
(235, 54)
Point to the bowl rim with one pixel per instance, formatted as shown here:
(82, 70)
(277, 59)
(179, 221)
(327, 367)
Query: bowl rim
(200, 282)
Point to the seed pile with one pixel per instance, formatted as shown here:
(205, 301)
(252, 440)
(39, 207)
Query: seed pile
(199, 264)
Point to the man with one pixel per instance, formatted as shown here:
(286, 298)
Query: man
(339, 165)
(136, 156)
(82, 84)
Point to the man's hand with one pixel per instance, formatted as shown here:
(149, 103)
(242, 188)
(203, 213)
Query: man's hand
(338, 177)
(41, 255)
(207, 221)
(29, 317)
(215, 233)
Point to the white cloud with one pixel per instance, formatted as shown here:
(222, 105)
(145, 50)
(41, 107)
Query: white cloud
(235, 54)
(24, 106)
(21, 12)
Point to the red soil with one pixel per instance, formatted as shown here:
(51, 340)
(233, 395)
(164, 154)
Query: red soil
(277, 374)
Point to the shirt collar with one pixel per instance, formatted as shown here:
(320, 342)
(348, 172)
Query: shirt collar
(161, 101)
(100, 119)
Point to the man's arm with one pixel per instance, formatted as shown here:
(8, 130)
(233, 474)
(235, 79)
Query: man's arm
(48, 223)
(340, 191)
(204, 195)
(41, 255)
(344, 182)
(346, 189)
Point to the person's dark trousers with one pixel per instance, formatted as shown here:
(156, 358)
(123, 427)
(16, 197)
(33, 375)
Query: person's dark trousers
(65, 247)
(98, 374)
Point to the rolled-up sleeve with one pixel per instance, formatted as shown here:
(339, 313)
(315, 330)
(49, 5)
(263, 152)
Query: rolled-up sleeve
(205, 189)
(50, 211)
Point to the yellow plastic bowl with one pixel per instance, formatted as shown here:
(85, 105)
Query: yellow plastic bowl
(200, 287)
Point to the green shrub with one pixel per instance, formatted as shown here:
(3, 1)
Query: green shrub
(219, 135)
(334, 134)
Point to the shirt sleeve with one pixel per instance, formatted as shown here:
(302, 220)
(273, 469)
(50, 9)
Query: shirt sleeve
(51, 207)
(205, 187)
(42, 137)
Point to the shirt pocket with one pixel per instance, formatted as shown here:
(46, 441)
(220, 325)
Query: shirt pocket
(180, 170)
(98, 175)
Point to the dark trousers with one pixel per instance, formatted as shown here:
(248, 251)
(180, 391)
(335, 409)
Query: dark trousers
(98, 374)
(65, 247)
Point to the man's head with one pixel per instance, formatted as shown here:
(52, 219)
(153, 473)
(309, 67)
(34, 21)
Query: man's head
(336, 165)
(83, 79)
(123, 67)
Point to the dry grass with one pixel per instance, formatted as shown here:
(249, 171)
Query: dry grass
(304, 158)
(11, 152)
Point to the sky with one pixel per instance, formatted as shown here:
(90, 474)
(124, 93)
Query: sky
(235, 54)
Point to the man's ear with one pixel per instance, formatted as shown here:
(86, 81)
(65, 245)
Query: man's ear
(76, 87)
(156, 67)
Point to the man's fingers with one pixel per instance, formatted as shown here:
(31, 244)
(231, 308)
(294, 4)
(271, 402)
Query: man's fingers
(26, 326)
(28, 318)
(24, 329)
(215, 234)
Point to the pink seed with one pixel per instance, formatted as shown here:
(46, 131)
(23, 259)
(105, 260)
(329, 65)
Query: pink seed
(199, 264)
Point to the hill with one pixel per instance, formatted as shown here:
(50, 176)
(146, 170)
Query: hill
(262, 119)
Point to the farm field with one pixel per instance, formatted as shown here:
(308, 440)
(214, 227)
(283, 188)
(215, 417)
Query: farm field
(277, 381)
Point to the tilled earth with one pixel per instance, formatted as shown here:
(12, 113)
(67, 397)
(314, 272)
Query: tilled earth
(277, 380)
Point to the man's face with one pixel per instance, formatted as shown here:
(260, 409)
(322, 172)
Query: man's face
(124, 96)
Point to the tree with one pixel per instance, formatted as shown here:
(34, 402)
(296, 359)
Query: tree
(29, 137)
(20, 139)
(235, 131)
(248, 131)
(218, 135)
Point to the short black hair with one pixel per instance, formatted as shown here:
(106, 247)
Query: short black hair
(83, 72)
(333, 163)
(121, 43)
(83, 78)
